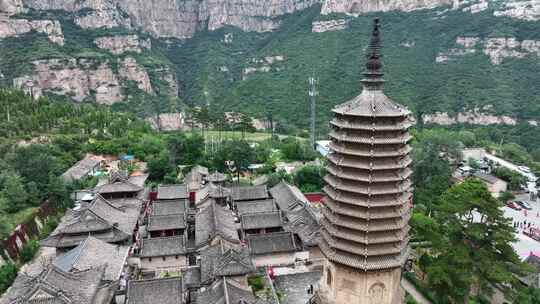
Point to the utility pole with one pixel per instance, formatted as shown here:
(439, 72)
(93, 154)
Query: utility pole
(312, 94)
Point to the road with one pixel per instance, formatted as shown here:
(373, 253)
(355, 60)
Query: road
(510, 166)
(525, 244)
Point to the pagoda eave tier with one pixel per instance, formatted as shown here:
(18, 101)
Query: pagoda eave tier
(368, 176)
(376, 139)
(369, 164)
(371, 104)
(364, 262)
(365, 212)
(367, 201)
(368, 188)
(374, 151)
(365, 237)
(371, 249)
(367, 126)
(366, 225)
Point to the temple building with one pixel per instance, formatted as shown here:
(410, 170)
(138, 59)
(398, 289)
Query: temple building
(369, 192)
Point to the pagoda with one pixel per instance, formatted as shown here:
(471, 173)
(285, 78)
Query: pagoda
(364, 234)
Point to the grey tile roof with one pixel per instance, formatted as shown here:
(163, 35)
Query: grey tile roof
(92, 253)
(294, 286)
(168, 192)
(192, 277)
(166, 222)
(249, 193)
(301, 220)
(162, 291)
(54, 285)
(168, 207)
(371, 103)
(163, 246)
(216, 177)
(108, 220)
(218, 191)
(213, 221)
(118, 185)
(259, 220)
(224, 260)
(227, 291)
(304, 223)
(138, 180)
(271, 243)
(288, 197)
(488, 178)
(255, 206)
(82, 167)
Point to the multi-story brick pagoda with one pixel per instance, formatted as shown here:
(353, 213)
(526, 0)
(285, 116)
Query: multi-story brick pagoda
(368, 186)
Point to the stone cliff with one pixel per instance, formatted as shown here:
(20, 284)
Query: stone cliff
(16, 27)
(87, 79)
(496, 48)
(172, 18)
(356, 7)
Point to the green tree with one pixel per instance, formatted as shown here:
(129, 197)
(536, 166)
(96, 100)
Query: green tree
(8, 273)
(13, 192)
(159, 166)
(310, 178)
(471, 245)
(514, 179)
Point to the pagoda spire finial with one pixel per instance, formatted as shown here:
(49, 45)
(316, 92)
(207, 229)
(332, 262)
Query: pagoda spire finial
(374, 64)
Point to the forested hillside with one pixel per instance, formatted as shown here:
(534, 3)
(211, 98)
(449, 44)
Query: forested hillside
(442, 59)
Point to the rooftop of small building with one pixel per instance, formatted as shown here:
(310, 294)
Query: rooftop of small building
(168, 207)
(162, 246)
(294, 286)
(269, 243)
(224, 259)
(214, 220)
(163, 291)
(259, 220)
(57, 286)
(92, 253)
(246, 207)
(170, 192)
(166, 222)
(249, 193)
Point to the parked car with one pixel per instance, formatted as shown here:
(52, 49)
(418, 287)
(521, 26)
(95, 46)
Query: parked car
(513, 205)
(524, 205)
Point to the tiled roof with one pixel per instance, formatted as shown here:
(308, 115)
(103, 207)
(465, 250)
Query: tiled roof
(212, 221)
(301, 220)
(168, 192)
(92, 253)
(168, 207)
(294, 286)
(192, 277)
(166, 222)
(162, 291)
(255, 206)
(118, 186)
(216, 177)
(371, 103)
(107, 220)
(224, 260)
(271, 243)
(227, 291)
(249, 193)
(54, 285)
(82, 168)
(163, 246)
(304, 223)
(287, 197)
(270, 219)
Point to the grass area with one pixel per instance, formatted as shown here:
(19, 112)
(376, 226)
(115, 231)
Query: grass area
(13, 219)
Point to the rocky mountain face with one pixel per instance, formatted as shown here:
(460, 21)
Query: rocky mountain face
(173, 18)
(252, 53)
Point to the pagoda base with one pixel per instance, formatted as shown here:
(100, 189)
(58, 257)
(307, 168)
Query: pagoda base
(344, 285)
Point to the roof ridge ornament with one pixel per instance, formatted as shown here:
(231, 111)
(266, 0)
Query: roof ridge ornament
(373, 75)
